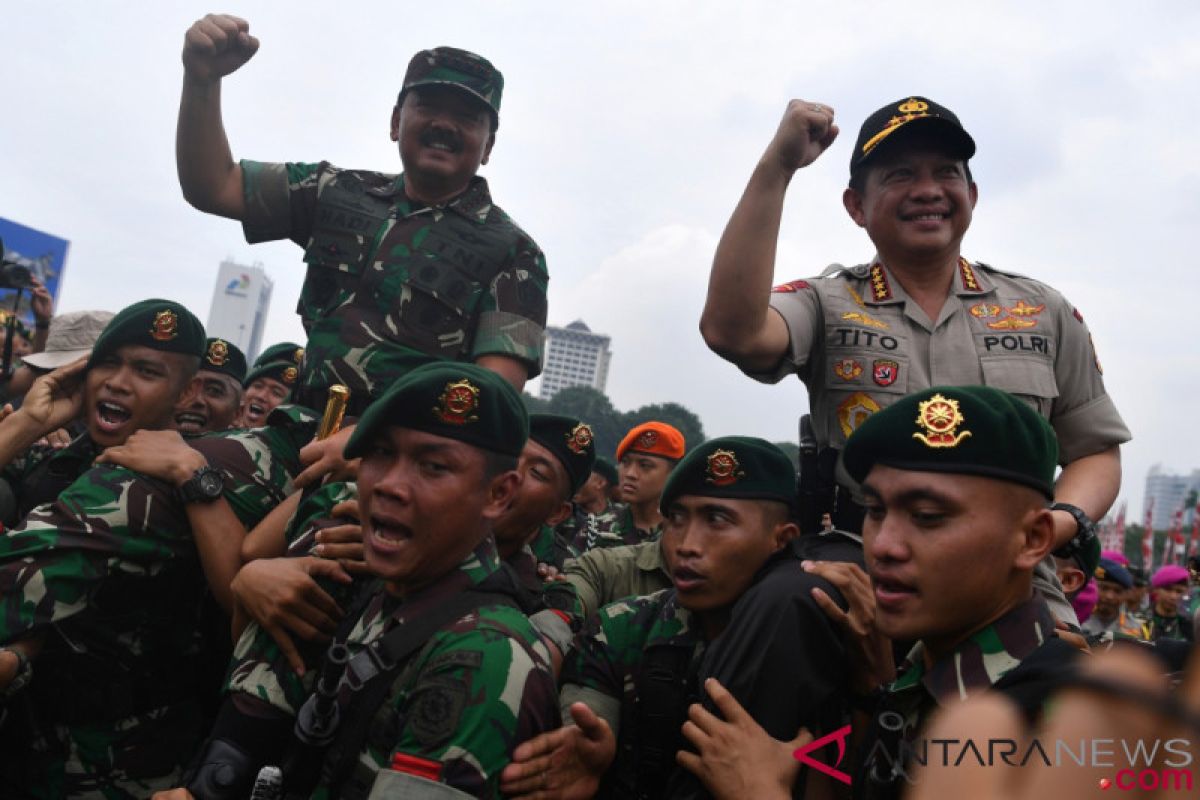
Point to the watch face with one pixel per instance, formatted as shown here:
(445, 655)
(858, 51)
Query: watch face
(211, 483)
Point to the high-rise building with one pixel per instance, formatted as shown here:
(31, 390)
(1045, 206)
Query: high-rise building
(241, 300)
(574, 356)
(1168, 493)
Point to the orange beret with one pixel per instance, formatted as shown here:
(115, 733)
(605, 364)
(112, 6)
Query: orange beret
(653, 438)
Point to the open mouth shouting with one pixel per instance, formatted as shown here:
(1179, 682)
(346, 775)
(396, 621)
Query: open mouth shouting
(111, 417)
(191, 422)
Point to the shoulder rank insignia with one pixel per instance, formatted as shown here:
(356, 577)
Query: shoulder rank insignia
(1012, 324)
(579, 438)
(298, 356)
(289, 375)
(967, 273)
(881, 290)
(884, 371)
(790, 286)
(847, 369)
(985, 310)
(166, 326)
(458, 402)
(940, 417)
(853, 410)
(723, 468)
(1023, 309)
(646, 440)
(218, 353)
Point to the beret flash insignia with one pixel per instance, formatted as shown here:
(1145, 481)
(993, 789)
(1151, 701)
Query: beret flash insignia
(646, 440)
(218, 353)
(289, 376)
(940, 417)
(457, 403)
(298, 356)
(723, 468)
(166, 326)
(579, 438)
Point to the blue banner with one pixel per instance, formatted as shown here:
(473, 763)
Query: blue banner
(42, 254)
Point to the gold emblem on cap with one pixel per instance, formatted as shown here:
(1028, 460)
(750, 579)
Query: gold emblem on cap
(457, 403)
(166, 326)
(646, 440)
(579, 439)
(289, 375)
(913, 106)
(940, 418)
(298, 356)
(218, 353)
(910, 109)
(723, 468)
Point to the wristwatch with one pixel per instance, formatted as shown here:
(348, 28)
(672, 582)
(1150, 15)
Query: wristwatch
(1085, 531)
(205, 486)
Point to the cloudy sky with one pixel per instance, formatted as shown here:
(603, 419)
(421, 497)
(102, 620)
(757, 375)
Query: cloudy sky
(628, 132)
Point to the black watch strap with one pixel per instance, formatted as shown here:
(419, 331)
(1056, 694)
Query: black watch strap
(205, 486)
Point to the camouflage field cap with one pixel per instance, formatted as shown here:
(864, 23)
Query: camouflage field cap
(459, 401)
(158, 324)
(607, 469)
(912, 113)
(225, 358)
(571, 442)
(739, 467)
(653, 439)
(970, 430)
(449, 66)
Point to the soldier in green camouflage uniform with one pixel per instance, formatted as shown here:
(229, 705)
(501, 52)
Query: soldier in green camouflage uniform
(215, 407)
(592, 498)
(455, 675)
(402, 269)
(269, 382)
(727, 506)
(108, 581)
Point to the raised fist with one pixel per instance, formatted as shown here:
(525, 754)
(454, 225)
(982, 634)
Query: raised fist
(806, 130)
(216, 46)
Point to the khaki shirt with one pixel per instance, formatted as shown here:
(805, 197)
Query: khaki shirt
(610, 573)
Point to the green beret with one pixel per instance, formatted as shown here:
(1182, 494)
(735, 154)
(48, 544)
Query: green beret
(971, 430)
(571, 442)
(607, 469)
(458, 401)
(157, 324)
(739, 467)
(283, 371)
(284, 351)
(464, 70)
(225, 358)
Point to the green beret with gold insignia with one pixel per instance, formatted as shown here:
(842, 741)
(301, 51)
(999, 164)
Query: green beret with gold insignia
(458, 401)
(284, 351)
(283, 371)
(740, 467)
(970, 430)
(158, 324)
(571, 442)
(223, 357)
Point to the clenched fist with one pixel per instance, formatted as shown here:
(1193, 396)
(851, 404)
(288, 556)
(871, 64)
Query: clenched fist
(216, 46)
(806, 130)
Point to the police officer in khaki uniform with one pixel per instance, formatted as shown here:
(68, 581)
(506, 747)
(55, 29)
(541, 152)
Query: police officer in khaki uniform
(918, 314)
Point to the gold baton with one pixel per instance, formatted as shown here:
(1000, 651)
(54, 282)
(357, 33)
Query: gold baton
(335, 409)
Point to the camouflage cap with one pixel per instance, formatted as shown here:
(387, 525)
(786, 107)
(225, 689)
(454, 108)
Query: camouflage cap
(970, 430)
(571, 442)
(912, 113)
(458, 401)
(740, 467)
(607, 469)
(225, 358)
(158, 324)
(449, 66)
(653, 439)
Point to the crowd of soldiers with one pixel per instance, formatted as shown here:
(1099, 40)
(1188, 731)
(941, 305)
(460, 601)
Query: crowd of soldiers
(359, 568)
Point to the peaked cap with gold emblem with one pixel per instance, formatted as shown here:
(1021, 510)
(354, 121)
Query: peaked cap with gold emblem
(909, 114)
(158, 324)
(970, 430)
(570, 440)
(739, 467)
(458, 401)
(225, 358)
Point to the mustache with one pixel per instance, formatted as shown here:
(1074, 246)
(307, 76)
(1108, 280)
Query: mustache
(441, 136)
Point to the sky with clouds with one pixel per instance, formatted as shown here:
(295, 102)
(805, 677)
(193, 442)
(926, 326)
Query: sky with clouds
(627, 134)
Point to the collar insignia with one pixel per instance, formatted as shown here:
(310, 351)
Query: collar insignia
(166, 326)
(967, 274)
(579, 439)
(723, 468)
(881, 290)
(940, 417)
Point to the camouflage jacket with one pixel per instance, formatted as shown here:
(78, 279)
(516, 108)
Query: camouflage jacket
(634, 664)
(997, 656)
(109, 576)
(392, 284)
(612, 527)
(607, 574)
(549, 547)
(41, 473)
(480, 686)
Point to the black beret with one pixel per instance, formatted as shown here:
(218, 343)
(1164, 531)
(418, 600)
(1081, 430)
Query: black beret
(458, 401)
(571, 442)
(158, 324)
(733, 466)
(971, 430)
(607, 469)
